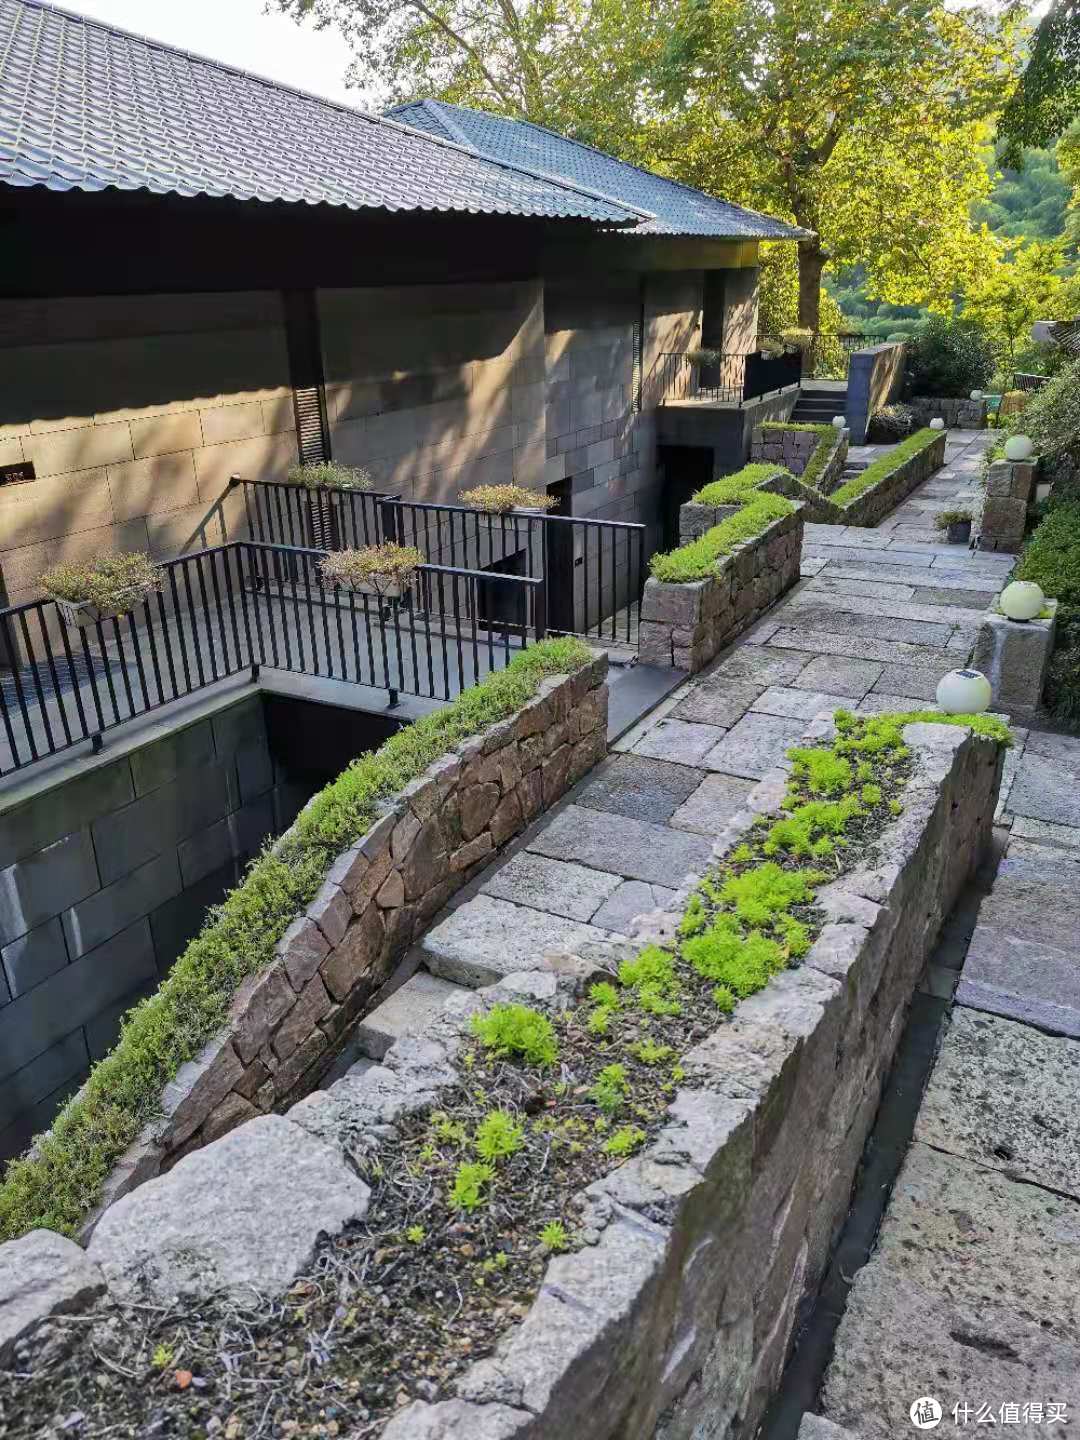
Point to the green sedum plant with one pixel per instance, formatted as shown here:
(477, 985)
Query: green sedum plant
(698, 559)
(516, 1030)
(884, 466)
(498, 1135)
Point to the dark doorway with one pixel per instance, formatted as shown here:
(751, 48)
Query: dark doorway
(311, 743)
(559, 560)
(683, 469)
(503, 606)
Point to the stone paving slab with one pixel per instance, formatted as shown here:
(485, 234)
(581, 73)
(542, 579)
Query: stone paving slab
(913, 679)
(412, 1007)
(631, 899)
(763, 666)
(754, 745)
(838, 675)
(852, 553)
(718, 700)
(638, 786)
(898, 1341)
(858, 647)
(902, 575)
(885, 606)
(1023, 962)
(486, 939)
(832, 584)
(971, 599)
(875, 704)
(1006, 1096)
(1045, 789)
(1065, 749)
(797, 704)
(984, 1239)
(573, 891)
(807, 614)
(1044, 832)
(682, 742)
(713, 803)
(623, 846)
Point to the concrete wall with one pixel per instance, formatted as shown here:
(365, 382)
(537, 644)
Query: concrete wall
(726, 430)
(875, 376)
(134, 412)
(103, 880)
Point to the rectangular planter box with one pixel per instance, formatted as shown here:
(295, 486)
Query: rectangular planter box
(686, 625)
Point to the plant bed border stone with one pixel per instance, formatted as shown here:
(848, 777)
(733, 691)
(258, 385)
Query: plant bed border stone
(961, 413)
(680, 1311)
(815, 454)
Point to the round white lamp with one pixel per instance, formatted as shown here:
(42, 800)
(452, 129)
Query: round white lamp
(963, 692)
(976, 394)
(1022, 600)
(838, 422)
(937, 423)
(1018, 447)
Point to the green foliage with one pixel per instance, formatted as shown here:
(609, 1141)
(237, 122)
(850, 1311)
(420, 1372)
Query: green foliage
(742, 964)
(416, 1234)
(610, 1089)
(498, 1135)
(737, 489)
(625, 1141)
(724, 999)
(162, 1358)
(884, 465)
(949, 357)
(1048, 95)
(1052, 416)
(697, 560)
(650, 1053)
(516, 1030)
(651, 976)
(58, 1182)
(822, 771)
(553, 1237)
(467, 1192)
(331, 477)
(760, 894)
(796, 832)
(1052, 559)
(112, 582)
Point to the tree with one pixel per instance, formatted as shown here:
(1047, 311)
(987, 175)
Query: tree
(861, 120)
(1024, 285)
(1047, 97)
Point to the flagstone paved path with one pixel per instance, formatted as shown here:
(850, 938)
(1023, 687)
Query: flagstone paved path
(973, 1293)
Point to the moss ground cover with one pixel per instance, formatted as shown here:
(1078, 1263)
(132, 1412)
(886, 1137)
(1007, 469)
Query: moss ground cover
(470, 1199)
(737, 489)
(884, 465)
(811, 474)
(57, 1183)
(697, 560)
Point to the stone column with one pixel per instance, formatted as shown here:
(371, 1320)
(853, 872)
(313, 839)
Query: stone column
(1009, 485)
(1013, 655)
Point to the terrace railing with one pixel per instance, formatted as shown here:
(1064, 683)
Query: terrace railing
(239, 607)
(593, 571)
(726, 379)
(1025, 381)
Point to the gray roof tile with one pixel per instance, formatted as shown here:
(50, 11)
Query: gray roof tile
(675, 209)
(86, 106)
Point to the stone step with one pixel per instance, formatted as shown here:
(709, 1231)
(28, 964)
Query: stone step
(486, 939)
(411, 1007)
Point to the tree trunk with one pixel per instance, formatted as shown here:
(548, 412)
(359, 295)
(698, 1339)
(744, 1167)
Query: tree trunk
(812, 260)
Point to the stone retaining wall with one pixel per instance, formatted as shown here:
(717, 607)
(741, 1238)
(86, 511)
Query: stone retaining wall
(685, 625)
(287, 1020)
(675, 1320)
(1003, 519)
(964, 414)
(881, 499)
(793, 449)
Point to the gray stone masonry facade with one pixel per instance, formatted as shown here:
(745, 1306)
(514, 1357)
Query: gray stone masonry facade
(676, 1321)
(963, 414)
(685, 625)
(1009, 488)
(1013, 655)
(103, 878)
(793, 448)
(288, 1020)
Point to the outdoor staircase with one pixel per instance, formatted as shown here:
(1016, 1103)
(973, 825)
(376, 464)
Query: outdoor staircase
(818, 403)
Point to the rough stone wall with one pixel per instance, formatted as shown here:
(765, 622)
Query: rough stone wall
(676, 1321)
(379, 896)
(965, 414)
(1003, 518)
(878, 501)
(687, 625)
(793, 448)
(134, 413)
(1014, 655)
(103, 880)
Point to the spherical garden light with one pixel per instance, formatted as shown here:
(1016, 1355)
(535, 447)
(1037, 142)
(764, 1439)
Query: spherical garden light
(838, 422)
(976, 394)
(937, 423)
(1019, 447)
(963, 692)
(1022, 600)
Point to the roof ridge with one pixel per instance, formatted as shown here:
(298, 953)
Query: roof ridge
(378, 120)
(607, 155)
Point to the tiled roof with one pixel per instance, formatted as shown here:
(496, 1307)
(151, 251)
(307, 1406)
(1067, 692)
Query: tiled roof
(86, 106)
(676, 209)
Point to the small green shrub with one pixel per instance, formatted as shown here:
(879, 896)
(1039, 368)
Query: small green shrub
(498, 1135)
(331, 477)
(697, 560)
(467, 1192)
(107, 582)
(611, 1089)
(759, 894)
(1051, 559)
(883, 466)
(553, 1237)
(1052, 415)
(517, 1030)
(737, 489)
(949, 357)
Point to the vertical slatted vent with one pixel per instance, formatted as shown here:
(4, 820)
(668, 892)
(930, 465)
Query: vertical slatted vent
(306, 375)
(311, 438)
(639, 353)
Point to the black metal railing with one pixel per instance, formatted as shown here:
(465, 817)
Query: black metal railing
(236, 608)
(1024, 381)
(829, 353)
(593, 570)
(279, 512)
(725, 379)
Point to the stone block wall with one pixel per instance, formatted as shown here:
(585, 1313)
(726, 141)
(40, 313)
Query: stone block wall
(687, 625)
(1009, 491)
(881, 499)
(1014, 655)
(958, 414)
(288, 1020)
(793, 448)
(103, 880)
(134, 412)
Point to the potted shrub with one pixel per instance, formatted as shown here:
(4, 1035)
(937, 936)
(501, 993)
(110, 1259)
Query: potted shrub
(331, 477)
(891, 423)
(505, 499)
(956, 524)
(88, 593)
(382, 570)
